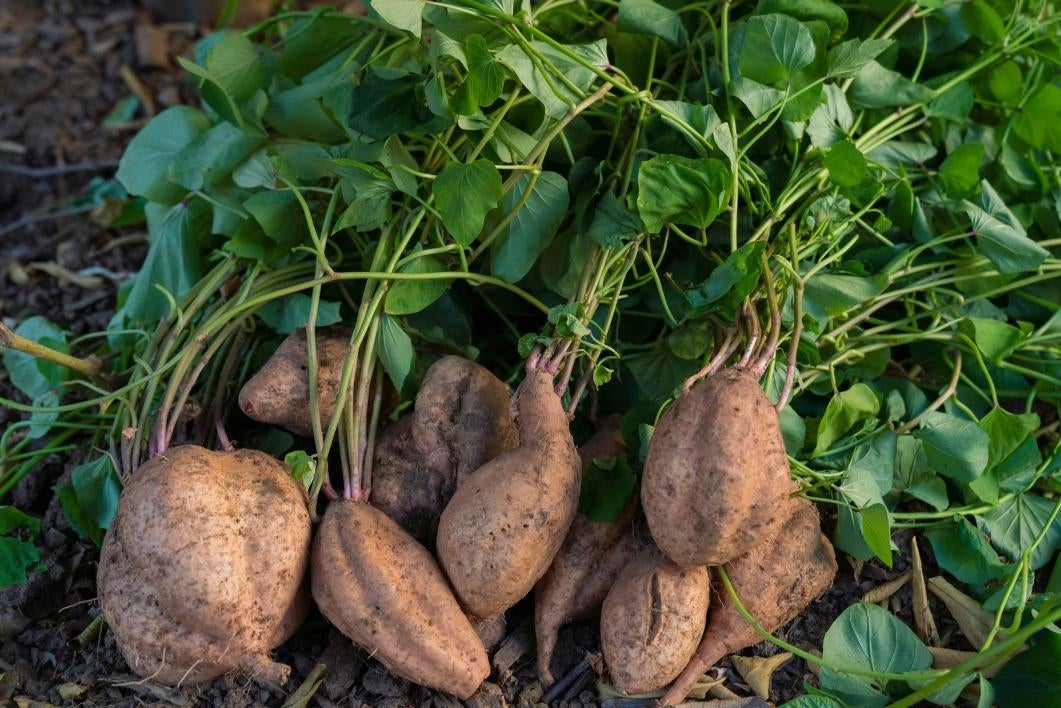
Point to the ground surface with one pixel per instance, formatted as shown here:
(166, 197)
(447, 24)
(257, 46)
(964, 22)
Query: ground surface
(61, 73)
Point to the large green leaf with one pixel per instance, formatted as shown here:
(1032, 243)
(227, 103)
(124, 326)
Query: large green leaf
(287, 314)
(877, 87)
(395, 350)
(960, 172)
(464, 195)
(547, 85)
(17, 555)
(963, 552)
(145, 163)
(532, 228)
(1014, 525)
(1002, 237)
(213, 155)
(730, 282)
(848, 58)
(403, 14)
(955, 447)
(33, 376)
(236, 65)
(486, 77)
(774, 47)
(91, 498)
(1032, 677)
(385, 105)
(844, 410)
(1038, 122)
(681, 190)
(407, 297)
(649, 17)
(846, 164)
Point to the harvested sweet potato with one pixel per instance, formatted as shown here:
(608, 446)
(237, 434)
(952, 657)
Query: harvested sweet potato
(774, 581)
(716, 475)
(202, 569)
(403, 487)
(384, 591)
(279, 393)
(462, 417)
(506, 521)
(652, 620)
(587, 564)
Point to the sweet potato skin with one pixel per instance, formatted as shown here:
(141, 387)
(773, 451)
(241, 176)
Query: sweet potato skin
(652, 621)
(202, 568)
(279, 393)
(505, 523)
(775, 581)
(384, 591)
(716, 475)
(588, 562)
(402, 485)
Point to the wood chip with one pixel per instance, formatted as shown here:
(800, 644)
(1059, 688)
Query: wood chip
(924, 622)
(515, 647)
(152, 45)
(758, 670)
(139, 90)
(885, 590)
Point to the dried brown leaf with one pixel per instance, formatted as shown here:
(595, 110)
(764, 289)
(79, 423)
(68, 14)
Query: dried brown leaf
(923, 619)
(885, 590)
(974, 621)
(61, 273)
(943, 658)
(758, 670)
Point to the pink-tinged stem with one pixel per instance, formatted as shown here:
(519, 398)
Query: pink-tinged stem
(753, 336)
(222, 436)
(729, 345)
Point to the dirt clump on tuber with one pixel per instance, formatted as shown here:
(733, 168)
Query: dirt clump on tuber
(775, 582)
(506, 521)
(383, 590)
(202, 569)
(652, 621)
(587, 564)
(403, 487)
(716, 476)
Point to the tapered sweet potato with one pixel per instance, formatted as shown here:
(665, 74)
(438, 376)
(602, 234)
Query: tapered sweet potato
(384, 591)
(462, 417)
(505, 523)
(588, 562)
(279, 393)
(775, 581)
(652, 621)
(461, 420)
(716, 475)
(202, 569)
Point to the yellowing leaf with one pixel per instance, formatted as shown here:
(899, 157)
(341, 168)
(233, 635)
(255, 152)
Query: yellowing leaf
(758, 670)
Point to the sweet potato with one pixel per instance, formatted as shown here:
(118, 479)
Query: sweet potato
(279, 393)
(505, 523)
(462, 419)
(202, 569)
(716, 475)
(384, 591)
(652, 620)
(587, 563)
(775, 582)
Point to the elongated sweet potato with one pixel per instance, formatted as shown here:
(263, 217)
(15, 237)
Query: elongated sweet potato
(403, 487)
(587, 564)
(505, 523)
(775, 581)
(279, 393)
(716, 476)
(384, 591)
(652, 620)
(202, 568)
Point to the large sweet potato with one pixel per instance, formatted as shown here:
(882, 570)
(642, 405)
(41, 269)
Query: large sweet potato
(716, 475)
(384, 591)
(402, 485)
(279, 393)
(652, 620)
(506, 521)
(588, 562)
(775, 582)
(202, 569)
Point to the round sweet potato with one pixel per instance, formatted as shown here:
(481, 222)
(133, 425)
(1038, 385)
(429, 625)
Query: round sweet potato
(279, 393)
(775, 581)
(652, 620)
(505, 523)
(588, 562)
(384, 591)
(716, 476)
(202, 569)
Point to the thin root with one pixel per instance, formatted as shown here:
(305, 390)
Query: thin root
(726, 348)
(753, 337)
(762, 361)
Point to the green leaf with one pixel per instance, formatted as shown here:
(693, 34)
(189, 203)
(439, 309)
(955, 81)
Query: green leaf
(831, 121)
(828, 295)
(281, 219)
(953, 104)
(552, 89)
(658, 372)
(1005, 82)
(236, 65)
(844, 410)
(868, 637)
(995, 339)
(612, 224)
(808, 11)
(486, 77)
(955, 447)
(145, 163)
(32, 376)
(701, 118)
(174, 260)
(12, 518)
(403, 14)
(406, 297)
(846, 164)
(983, 22)
(876, 530)
(287, 314)
(651, 18)
(734, 280)
(1014, 524)
(395, 350)
(812, 701)
(213, 155)
(681, 190)
(1003, 241)
(1007, 431)
(303, 467)
(914, 476)
(464, 195)
(690, 340)
(848, 58)
(877, 87)
(310, 41)
(91, 498)
(1031, 677)
(533, 227)
(1038, 122)
(964, 553)
(382, 107)
(774, 47)
(607, 487)
(16, 555)
(960, 172)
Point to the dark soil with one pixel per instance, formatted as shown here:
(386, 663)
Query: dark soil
(64, 66)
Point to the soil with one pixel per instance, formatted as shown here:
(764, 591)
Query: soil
(64, 68)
